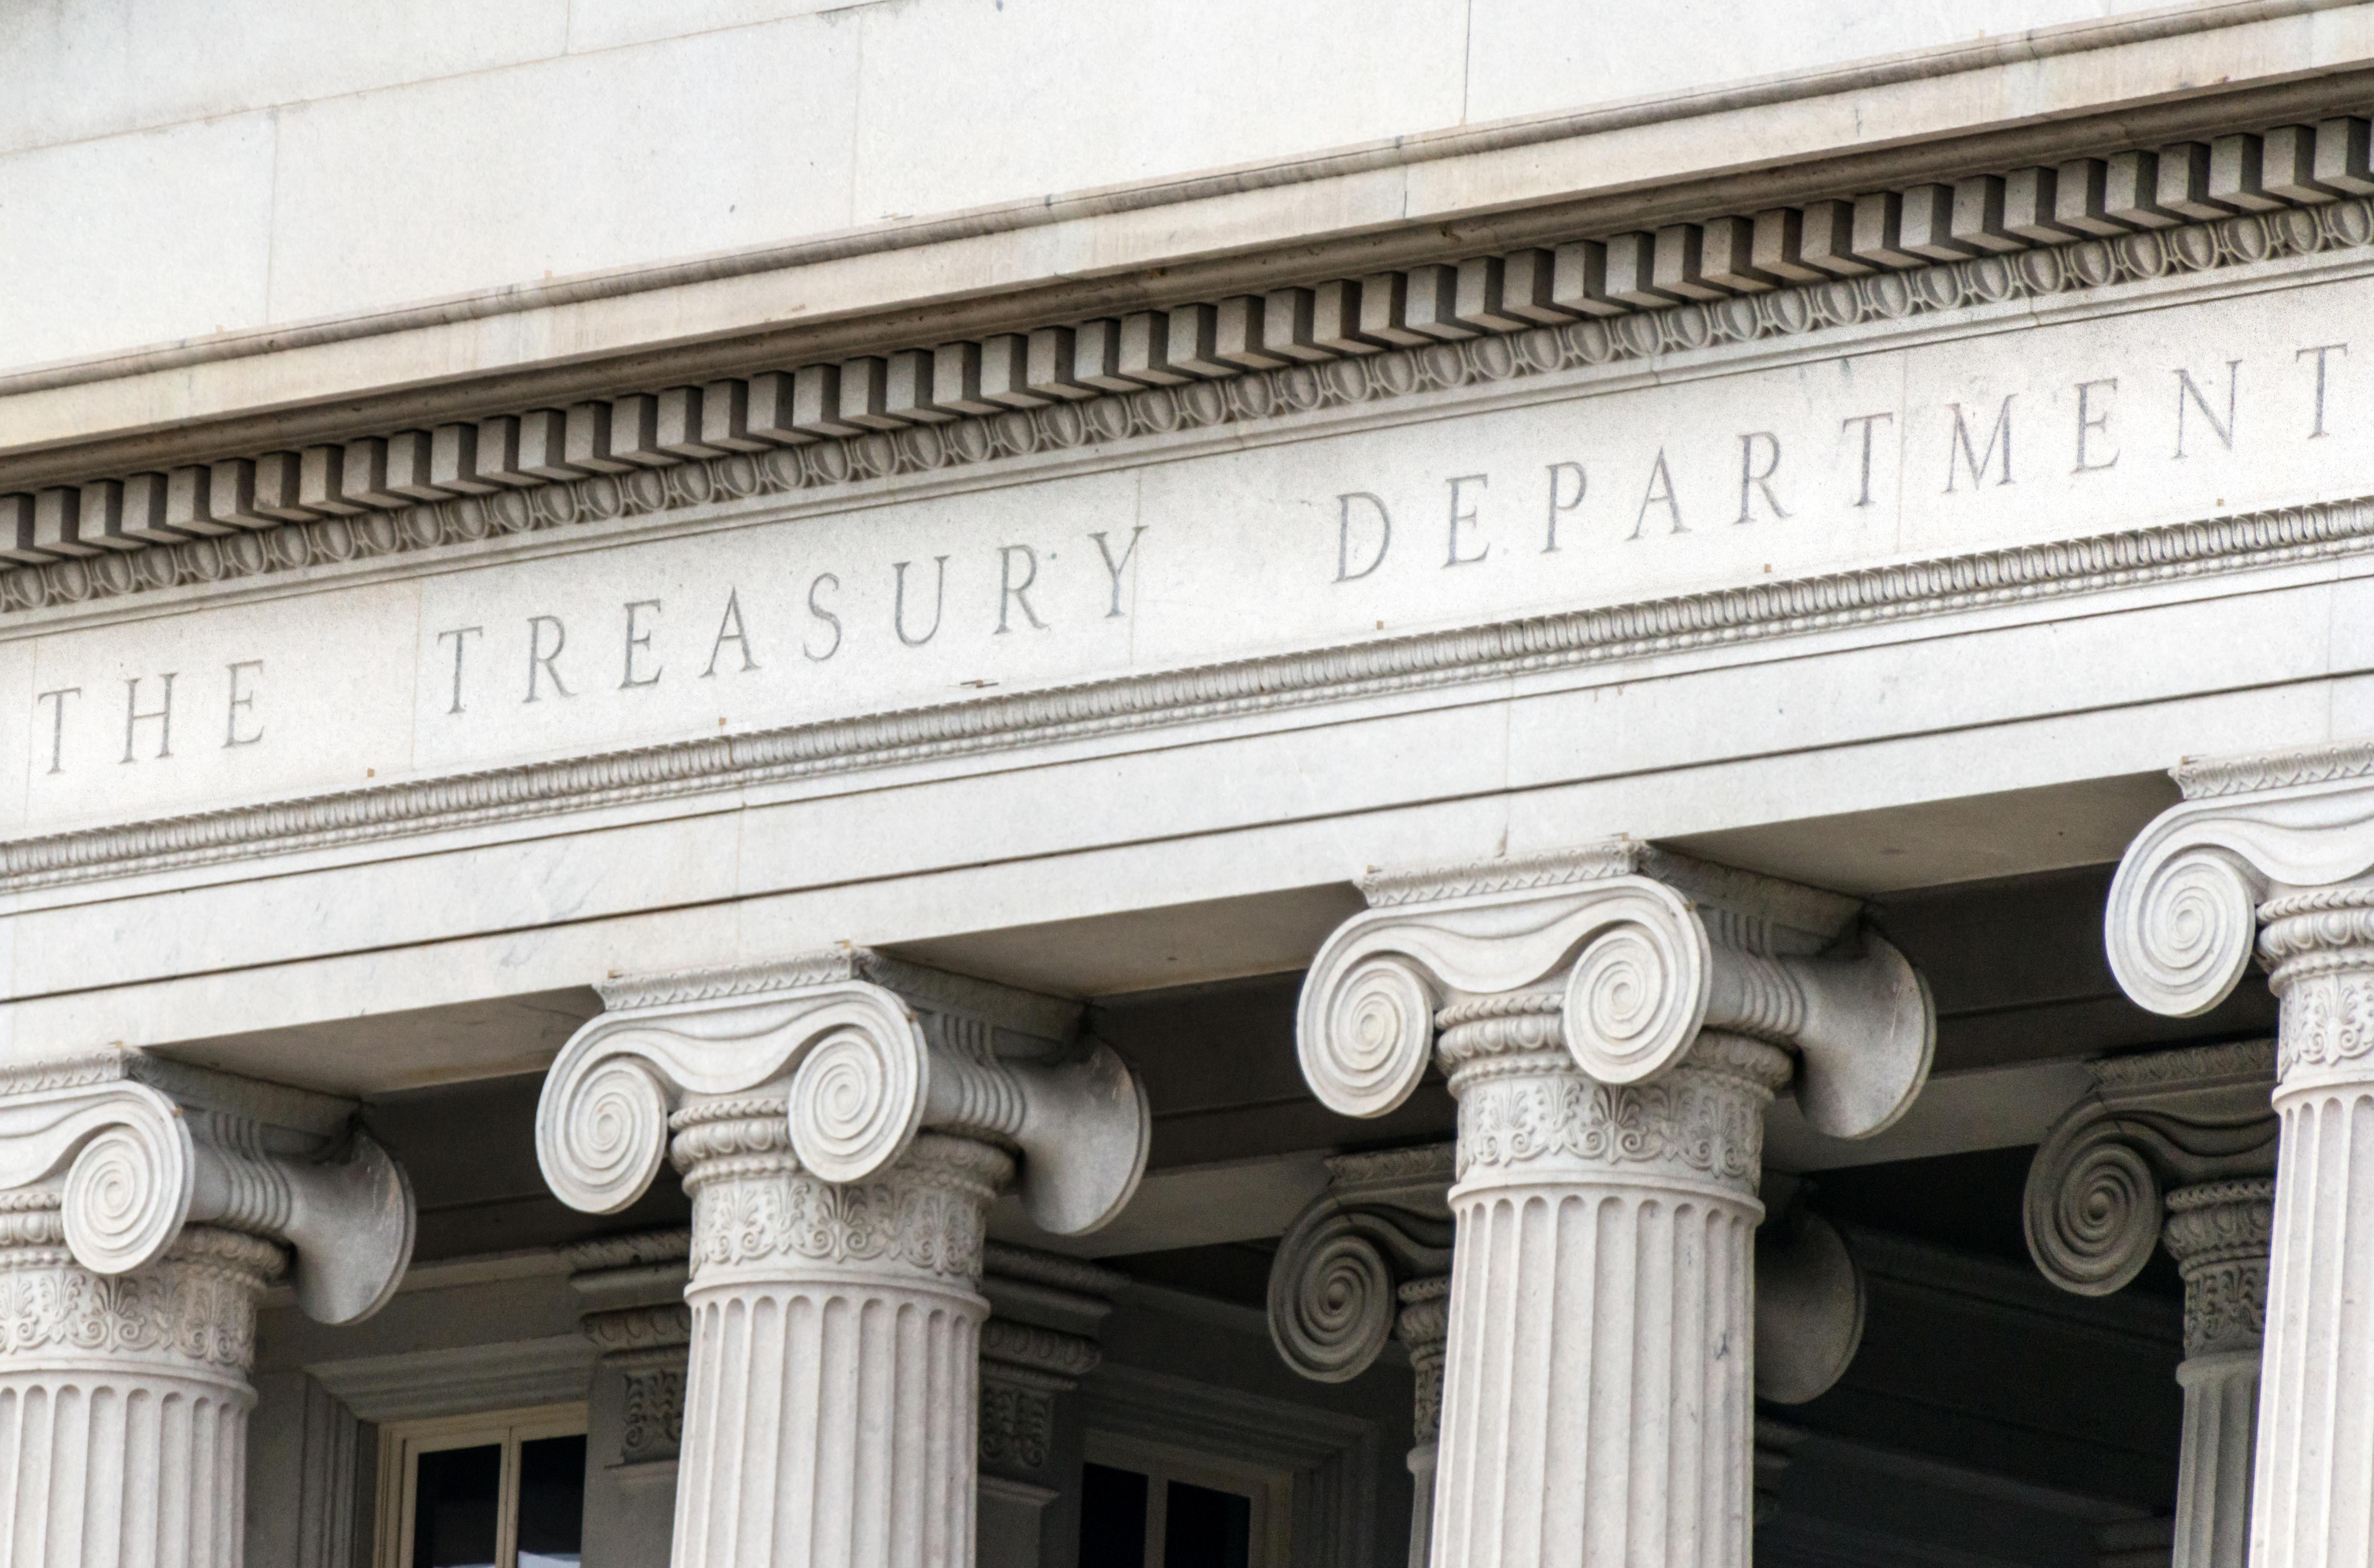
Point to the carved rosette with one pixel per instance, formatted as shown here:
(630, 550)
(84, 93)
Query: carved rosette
(1613, 1022)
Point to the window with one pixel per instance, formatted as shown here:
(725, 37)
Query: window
(504, 1490)
(1147, 1505)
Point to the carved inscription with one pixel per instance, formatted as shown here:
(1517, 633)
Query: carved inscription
(1610, 494)
(1543, 498)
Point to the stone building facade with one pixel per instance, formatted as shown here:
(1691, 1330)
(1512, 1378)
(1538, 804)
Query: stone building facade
(1455, 782)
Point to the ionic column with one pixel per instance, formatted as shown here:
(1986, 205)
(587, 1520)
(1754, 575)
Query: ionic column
(842, 1123)
(1366, 1262)
(2282, 849)
(143, 1207)
(1612, 1021)
(1384, 1225)
(2220, 1234)
(633, 1291)
(2195, 1125)
(1039, 1342)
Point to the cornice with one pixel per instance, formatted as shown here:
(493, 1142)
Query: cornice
(2027, 48)
(1243, 361)
(1089, 710)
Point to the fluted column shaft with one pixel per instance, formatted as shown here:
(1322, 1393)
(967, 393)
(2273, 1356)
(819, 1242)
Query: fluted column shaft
(2314, 1480)
(831, 1397)
(1424, 1328)
(2218, 1233)
(123, 1399)
(1598, 1382)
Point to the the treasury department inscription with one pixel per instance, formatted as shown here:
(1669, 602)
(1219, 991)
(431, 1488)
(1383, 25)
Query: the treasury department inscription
(1607, 496)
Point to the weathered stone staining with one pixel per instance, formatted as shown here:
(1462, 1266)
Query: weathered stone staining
(148, 1205)
(2194, 1125)
(843, 1122)
(1613, 1021)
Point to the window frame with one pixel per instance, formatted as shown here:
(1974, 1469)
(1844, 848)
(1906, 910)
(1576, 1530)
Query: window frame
(401, 1443)
(1271, 1491)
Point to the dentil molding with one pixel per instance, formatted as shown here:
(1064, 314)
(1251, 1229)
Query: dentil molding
(2235, 202)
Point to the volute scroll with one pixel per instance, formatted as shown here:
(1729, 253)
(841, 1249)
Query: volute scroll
(137, 1149)
(2182, 918)
(863, 1070)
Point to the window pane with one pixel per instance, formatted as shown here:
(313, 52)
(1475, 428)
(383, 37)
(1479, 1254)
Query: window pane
(454, 1518)
(1207, 1528)
(551, 1502)
(1113, 1517)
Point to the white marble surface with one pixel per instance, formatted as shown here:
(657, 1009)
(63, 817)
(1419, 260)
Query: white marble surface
(1316, 531)
(636, 130)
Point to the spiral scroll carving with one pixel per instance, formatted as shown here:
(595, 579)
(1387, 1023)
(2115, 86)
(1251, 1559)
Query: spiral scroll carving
(1332, 1302)
(600, 1140)
(1373, 1038)
(1634, 1001)
(127, 1194)
(856, 1102)
(2180, 940)
(2093, 1215)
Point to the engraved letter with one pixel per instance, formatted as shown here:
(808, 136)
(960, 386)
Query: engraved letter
(1010, 593)
(740, 638)
(829, 618)
(57, 723)
(1977, 461)
(1116, 567)
(1660, 493)
(644, 642)
(1582, 484)
(2186, 389)
(457, 635)
(2321, 350)
(1458, 517)
(539, 659)
(238, 699)
(2089, 420)
(162, 714)
(1760, 478)
(1344, 572)
(899, 605)
(1869, 422)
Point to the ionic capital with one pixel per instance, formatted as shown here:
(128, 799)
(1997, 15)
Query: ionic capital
(1630, 952)
(2184, 909)
(2098, 1187)
(121, 1152)
(863, 1053)
(1383, 1223)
